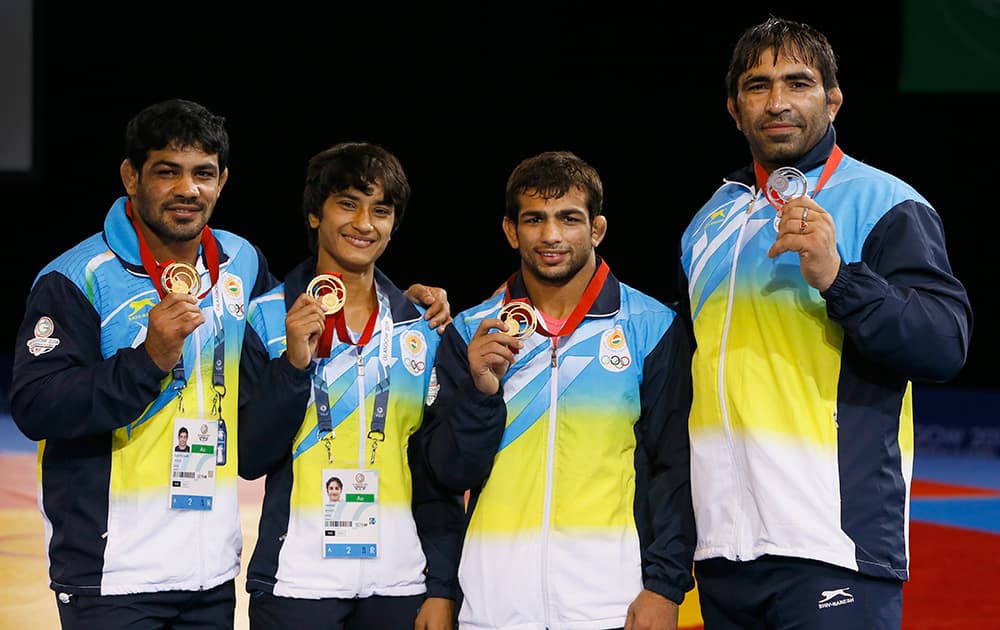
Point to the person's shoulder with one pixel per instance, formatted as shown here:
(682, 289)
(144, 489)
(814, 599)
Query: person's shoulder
(231, 241)
(641, 300)
(875, 181)
(241, 258)
(78, 261)
(641, 307)
(467, 321)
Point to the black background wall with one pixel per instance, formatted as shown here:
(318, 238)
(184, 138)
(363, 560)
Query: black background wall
(462, 93)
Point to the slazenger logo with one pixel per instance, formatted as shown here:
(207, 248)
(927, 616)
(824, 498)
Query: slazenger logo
(838, 597)
(43, 341)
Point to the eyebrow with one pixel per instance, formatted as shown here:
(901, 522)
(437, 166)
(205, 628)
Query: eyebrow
(355, 197)
(202, 166)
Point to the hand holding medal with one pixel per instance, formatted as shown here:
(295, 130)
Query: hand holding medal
(804, 227)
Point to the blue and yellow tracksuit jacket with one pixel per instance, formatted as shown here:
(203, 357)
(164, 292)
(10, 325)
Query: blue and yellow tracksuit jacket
(414, 556)
(802, 422)
(103, 413)
(578, 466)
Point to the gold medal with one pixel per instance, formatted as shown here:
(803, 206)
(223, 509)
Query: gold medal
(518, 318)
(329, 290)
(180, 277)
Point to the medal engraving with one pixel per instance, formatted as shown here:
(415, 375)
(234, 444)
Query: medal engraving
(518, 318)
(330, 291)
(179, 277)
(784, 184)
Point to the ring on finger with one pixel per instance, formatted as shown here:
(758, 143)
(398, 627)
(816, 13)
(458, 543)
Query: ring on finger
(805, 214)
(803, 227)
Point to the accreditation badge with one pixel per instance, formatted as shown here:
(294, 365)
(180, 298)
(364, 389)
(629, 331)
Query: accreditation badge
(350, 513)
(192, 464)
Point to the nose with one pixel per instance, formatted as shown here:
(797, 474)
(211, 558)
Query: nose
(776, 101)
(551, 232)
(362, 220)
(186, 186)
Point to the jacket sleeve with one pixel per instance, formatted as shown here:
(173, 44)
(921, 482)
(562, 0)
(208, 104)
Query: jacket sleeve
(274, 395)
(463, 425)
(439, 514)
(70, 390)
(900, 305)
(664, 512)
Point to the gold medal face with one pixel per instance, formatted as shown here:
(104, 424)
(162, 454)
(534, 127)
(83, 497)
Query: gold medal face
(180, 277)
(519, 319)
(330, 291)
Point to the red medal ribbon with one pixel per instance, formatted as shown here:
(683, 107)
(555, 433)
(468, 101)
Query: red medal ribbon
(583, 306)
(831, 165)
(338, 321)
(210, 251)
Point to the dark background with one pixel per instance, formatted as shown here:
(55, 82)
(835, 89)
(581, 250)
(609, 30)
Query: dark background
(461, 94)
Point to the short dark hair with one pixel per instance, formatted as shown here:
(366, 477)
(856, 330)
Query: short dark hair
(551, 175)
(182, 431)
(353, 165)
(179, 124)
(795, 40)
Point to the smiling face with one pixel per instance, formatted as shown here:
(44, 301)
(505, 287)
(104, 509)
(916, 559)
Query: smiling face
(174, 196)
(555, 237)
(354, 229)
(782, 108)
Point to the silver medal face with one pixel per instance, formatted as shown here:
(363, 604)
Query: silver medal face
(784, 184)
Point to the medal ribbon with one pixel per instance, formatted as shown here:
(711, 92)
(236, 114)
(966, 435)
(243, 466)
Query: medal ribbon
(324, 422)
(210, 251)
(336, 321)
(582, 307)
(831, 165)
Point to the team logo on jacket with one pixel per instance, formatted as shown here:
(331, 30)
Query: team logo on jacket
(43, 341)
(140, 308)
(413, 348)
(614, 356)
(232, 295)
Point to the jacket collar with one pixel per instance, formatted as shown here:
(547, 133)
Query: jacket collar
(124, 243)
(813, 158)
(608, 301)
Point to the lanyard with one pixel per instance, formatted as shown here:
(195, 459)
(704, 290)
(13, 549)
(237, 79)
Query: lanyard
(831, 165)
(210, 250)
(583, 306)
(321, 393)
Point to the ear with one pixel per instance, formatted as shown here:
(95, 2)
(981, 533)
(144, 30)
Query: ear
(223, 178)
(834, 99)
(735, 113)
(598, 230)
(313, 221)
(130, 178)
(510, 230)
